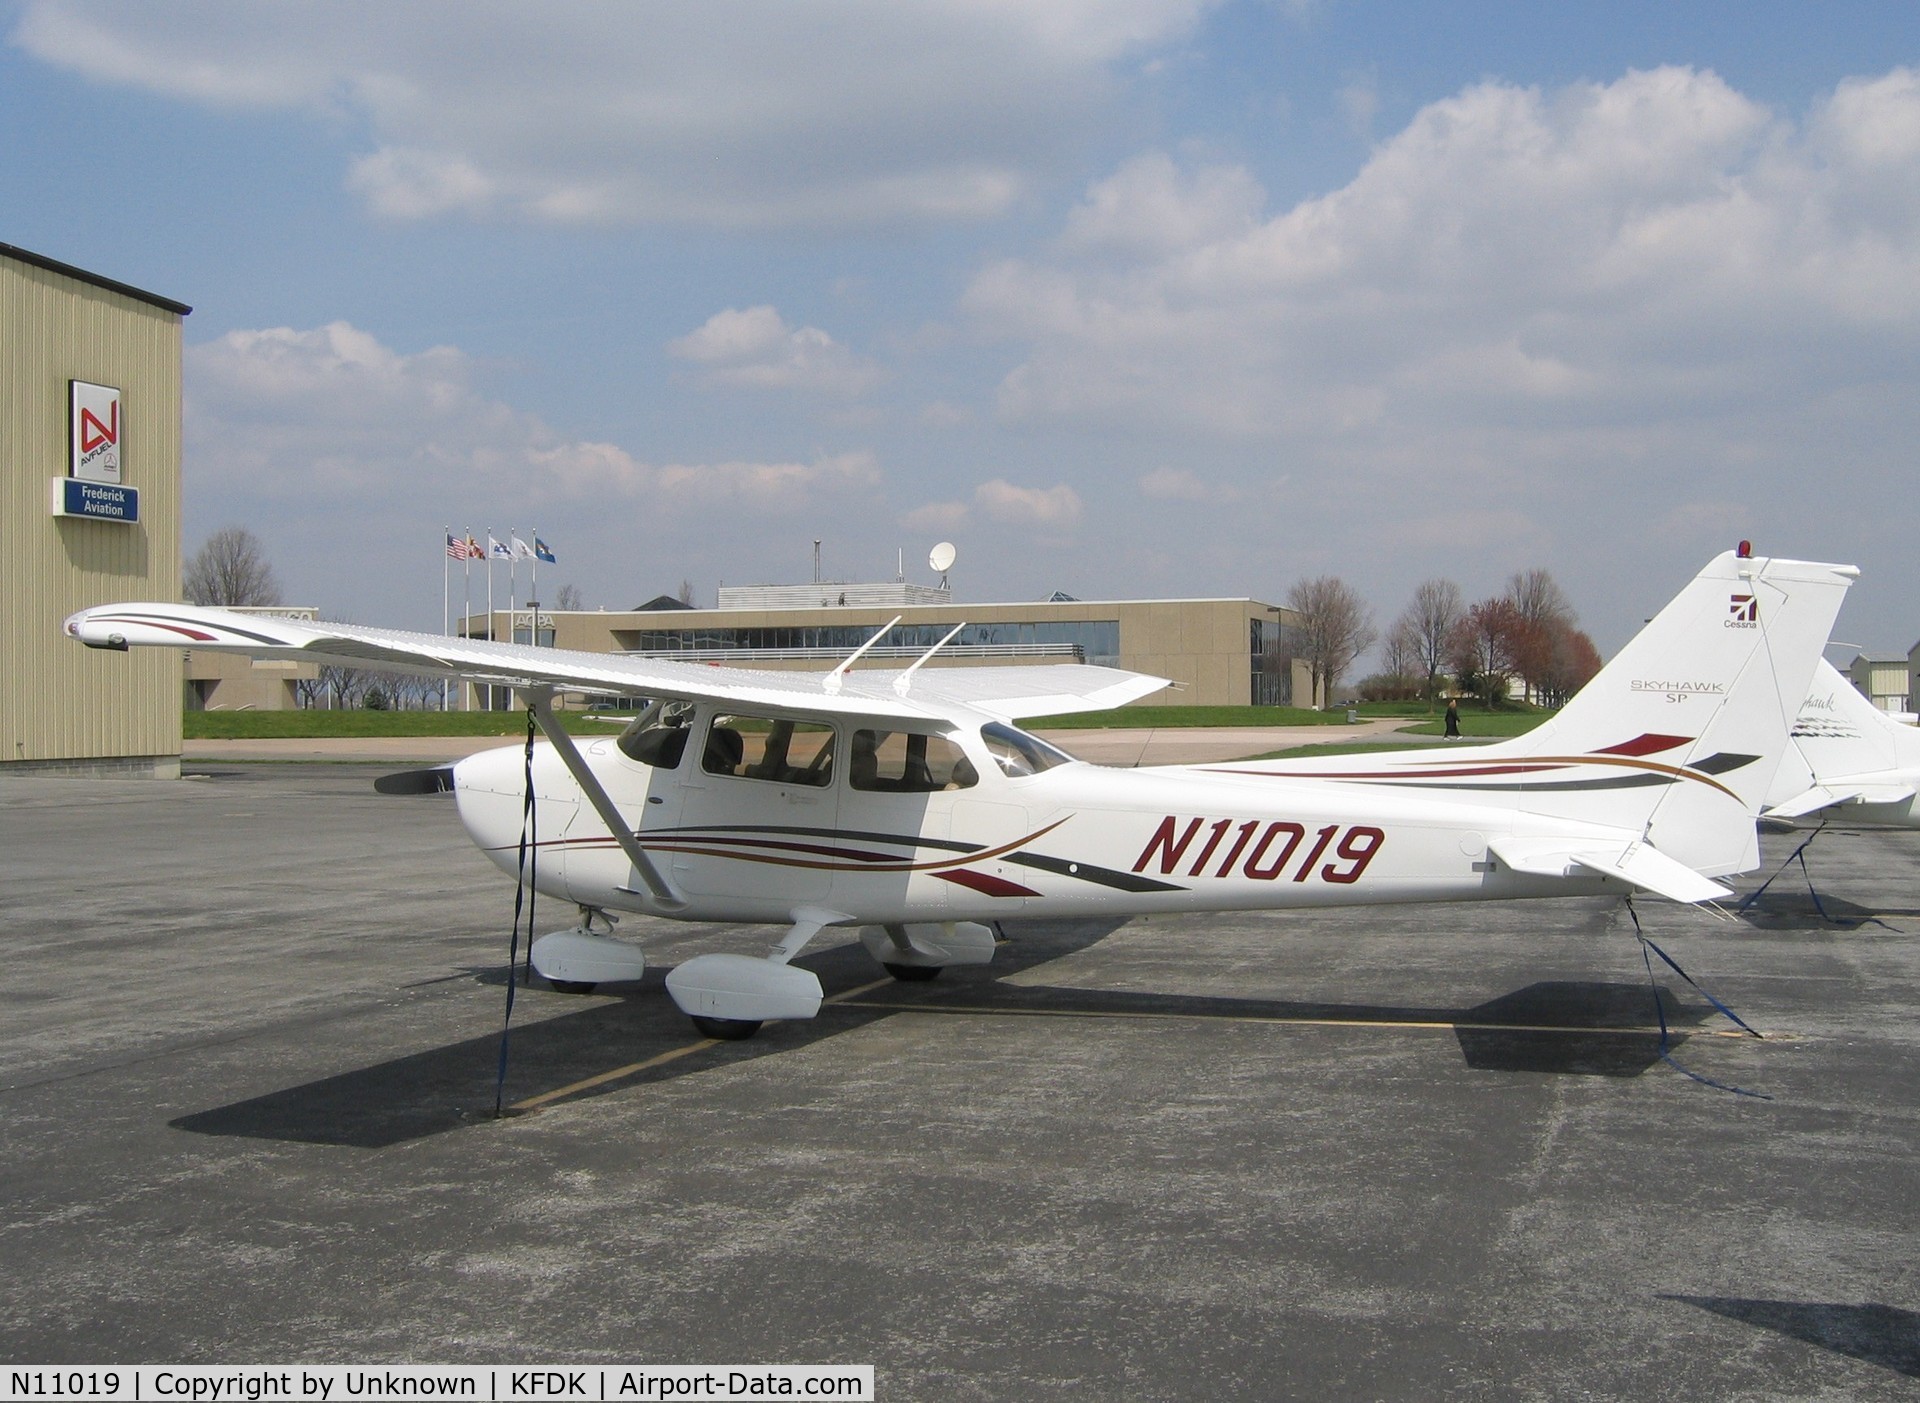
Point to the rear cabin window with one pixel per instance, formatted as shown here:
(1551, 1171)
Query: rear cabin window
(907, 762)
(770, 748)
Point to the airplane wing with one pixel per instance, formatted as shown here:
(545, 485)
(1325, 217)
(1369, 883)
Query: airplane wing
(1001, 693)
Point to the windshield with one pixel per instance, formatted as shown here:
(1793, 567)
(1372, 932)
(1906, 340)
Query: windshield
(1018, 753)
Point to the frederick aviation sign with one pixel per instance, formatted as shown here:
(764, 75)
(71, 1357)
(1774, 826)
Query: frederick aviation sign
(92, 486)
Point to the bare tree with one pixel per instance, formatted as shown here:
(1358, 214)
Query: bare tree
(686, 592)
(1538, 598)
(569, 598)
(1429, 622)
(1545, 621)
(230, 568)
(1335, 628)
(344, 684)
(1402, 650)
(1484, 647)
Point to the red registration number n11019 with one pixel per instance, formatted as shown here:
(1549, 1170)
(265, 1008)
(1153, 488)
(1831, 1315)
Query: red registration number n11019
(1264, 850)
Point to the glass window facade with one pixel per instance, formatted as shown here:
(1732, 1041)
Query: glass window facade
(1094, 641)
(1270, 650)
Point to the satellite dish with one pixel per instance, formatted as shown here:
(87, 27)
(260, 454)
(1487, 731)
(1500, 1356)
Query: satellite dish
(943, 557)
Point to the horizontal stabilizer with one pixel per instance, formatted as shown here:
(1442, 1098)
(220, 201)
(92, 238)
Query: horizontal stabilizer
(1823, 795)
(1638, 865)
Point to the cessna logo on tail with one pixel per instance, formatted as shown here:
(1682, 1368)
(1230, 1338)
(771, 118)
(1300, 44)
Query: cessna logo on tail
(1745, 609)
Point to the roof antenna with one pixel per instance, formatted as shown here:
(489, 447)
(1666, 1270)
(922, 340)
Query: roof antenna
(941, 561)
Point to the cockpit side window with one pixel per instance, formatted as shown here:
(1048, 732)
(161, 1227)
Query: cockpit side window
(1018, 753)
(907, 762)
(657, 735)
(770, 748)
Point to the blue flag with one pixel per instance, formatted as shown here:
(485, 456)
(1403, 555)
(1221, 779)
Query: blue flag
(545, 552)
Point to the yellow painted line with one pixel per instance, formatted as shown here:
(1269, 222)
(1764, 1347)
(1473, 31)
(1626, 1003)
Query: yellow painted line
(845, 997)
(534, 1103)
(1300, 1022)
(846, 994)
(633, 1069)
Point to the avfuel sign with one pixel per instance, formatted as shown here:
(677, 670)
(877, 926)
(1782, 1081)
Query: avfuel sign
(92, 486)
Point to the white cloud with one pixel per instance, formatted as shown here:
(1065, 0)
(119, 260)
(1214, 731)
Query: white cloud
(1053, 507)
(1655, 246)
(332, 414)
(1150, 206)
(1183, 485)
(938, 518)
(716, 112)
(756, 348)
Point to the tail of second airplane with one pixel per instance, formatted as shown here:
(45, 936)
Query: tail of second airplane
(1846, 751)
(1677, 738)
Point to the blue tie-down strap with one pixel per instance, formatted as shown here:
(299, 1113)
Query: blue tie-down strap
(1659, 1008)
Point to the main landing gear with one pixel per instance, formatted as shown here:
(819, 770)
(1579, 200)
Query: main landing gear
(730, 996)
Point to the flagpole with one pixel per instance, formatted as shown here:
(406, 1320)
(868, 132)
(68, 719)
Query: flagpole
(446, 606)
(513, 576)
(534, 588)
(466, 611)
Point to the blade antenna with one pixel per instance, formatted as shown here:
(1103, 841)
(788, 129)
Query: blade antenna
(904, 681)
(832, 681)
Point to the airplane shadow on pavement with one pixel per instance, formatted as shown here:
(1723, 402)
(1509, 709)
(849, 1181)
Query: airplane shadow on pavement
(1879, 1334)
(1566, 1028)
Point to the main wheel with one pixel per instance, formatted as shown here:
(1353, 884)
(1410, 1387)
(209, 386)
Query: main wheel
(913, 974)
(730, 1030)
(573, 986)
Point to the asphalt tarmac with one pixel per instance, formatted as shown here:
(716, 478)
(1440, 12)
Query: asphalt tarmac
(251, 1030)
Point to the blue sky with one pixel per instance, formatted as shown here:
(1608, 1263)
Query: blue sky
(1141, 298)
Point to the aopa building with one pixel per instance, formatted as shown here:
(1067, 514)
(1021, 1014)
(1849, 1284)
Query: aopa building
(1220, 652)
(89, 513)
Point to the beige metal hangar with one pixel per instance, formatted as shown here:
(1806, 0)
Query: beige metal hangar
(89, 514)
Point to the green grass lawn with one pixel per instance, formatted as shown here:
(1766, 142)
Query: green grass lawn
(286, 725)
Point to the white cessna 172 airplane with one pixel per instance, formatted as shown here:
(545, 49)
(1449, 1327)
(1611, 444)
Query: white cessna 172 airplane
(1847, 755)
(907, 803)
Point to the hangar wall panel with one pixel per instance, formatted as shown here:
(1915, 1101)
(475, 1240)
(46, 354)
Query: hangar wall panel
(58, 701)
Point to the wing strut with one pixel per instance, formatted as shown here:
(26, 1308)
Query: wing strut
(832, 682)
(904, 682)
(540, 703)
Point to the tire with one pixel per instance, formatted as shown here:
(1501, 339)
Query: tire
(730, 1030)
(913, 974)
(573, 986)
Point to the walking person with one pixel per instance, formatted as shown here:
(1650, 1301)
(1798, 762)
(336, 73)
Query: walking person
(1453, 718)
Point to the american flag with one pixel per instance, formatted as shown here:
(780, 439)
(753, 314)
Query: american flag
(456, 549)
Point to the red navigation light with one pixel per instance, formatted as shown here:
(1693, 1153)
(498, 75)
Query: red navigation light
(1745, 552)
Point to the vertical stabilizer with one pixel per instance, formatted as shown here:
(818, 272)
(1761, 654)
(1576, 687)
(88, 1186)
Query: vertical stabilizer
(1676, 739)
(1691, 718)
